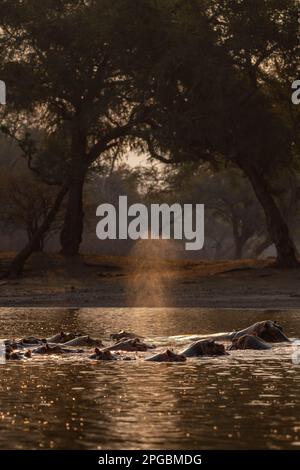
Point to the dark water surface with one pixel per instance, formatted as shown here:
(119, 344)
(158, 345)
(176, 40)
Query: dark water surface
(250, 399)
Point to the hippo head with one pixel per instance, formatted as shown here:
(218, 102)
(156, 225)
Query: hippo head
(14, 356)
(270, 331)
(63, 336)
(210, 348)
(104, 355)
(121, 334)
(237, 343)
(93, 342)
(137, 344)
(13, 344)
(45, 348)
(173, 357)
(67, 337)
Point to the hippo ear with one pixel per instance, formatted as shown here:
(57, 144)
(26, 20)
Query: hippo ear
(97, 350)
(168, 352)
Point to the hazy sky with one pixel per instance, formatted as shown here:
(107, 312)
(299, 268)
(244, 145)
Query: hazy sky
(134, 159)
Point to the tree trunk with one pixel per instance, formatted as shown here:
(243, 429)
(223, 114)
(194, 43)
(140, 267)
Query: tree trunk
(39, 245)
(238, 248)
(18, 263)
(218, 249)
(238, 243)
(277, 227)
(71, 234)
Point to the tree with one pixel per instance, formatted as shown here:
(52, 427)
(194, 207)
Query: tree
(263, 42)
(186, 80)
(229, 199)
(81, 61)
(24, 204)
(52, 175)
(231, 208)
(211, 105)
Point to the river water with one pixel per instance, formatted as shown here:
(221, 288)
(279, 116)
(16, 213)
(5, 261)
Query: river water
(248, 400)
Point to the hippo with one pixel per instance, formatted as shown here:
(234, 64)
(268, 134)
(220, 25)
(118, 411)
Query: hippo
(56, 349)
(17, 355)
(167, 356)
(204, 348)
(267, 330)
(12, 343)
(46, 349)
(83, 341)
(130, 345)
(9, 349)
(62, 337)
(31, 340)
(103, 355)
(249, 342)
(124, 334)
(21, 344)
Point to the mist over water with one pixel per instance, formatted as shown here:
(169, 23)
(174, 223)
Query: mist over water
(151, 275)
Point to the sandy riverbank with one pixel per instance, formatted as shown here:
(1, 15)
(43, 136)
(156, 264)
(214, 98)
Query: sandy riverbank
(95, 281)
